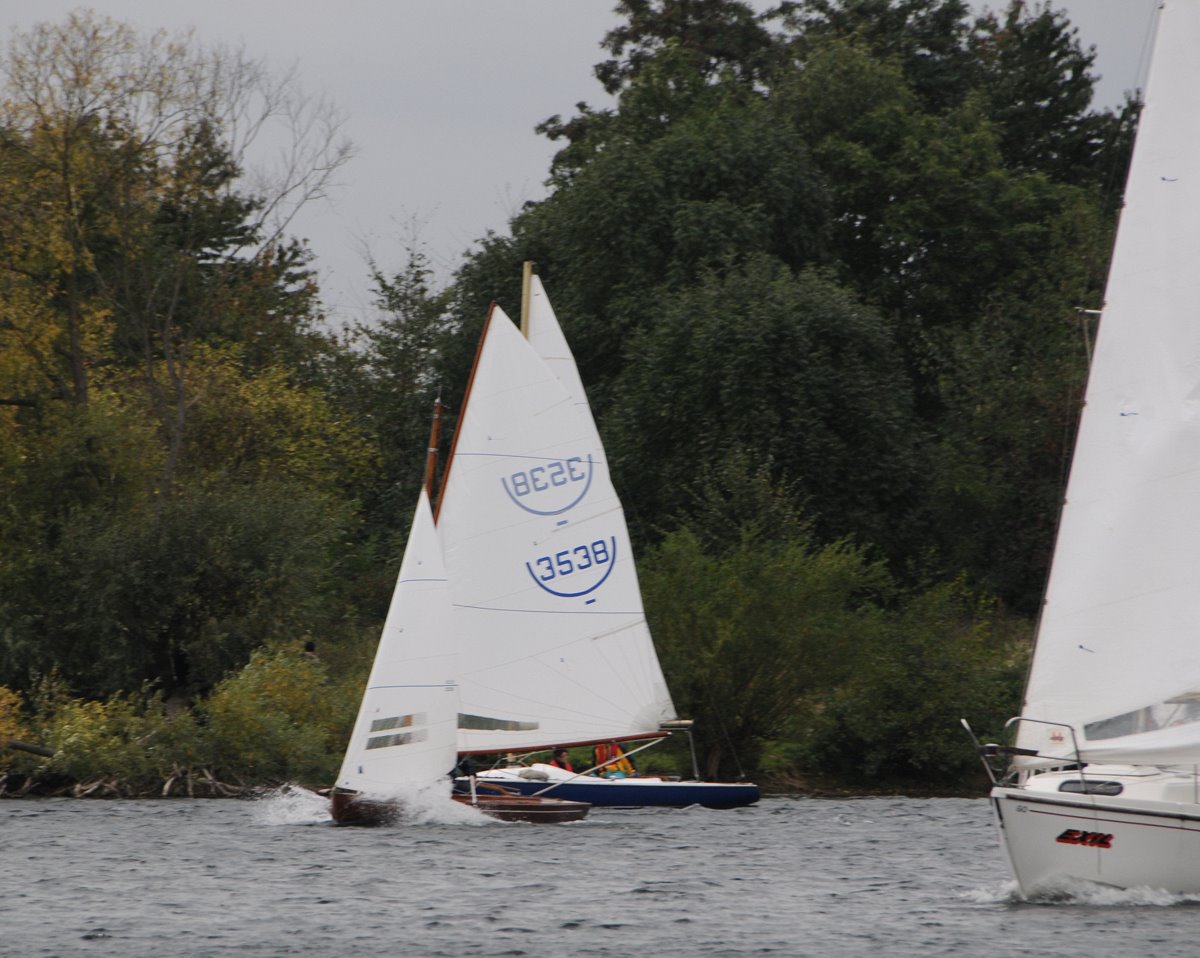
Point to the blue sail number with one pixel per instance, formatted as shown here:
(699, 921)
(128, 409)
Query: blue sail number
(526, 487)
(597, 556)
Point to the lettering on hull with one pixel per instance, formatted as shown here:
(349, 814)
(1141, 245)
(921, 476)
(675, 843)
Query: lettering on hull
(1073, 836)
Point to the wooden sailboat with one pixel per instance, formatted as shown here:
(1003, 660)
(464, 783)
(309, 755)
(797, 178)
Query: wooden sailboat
(546, 602)
(405, 734)
(1103, 783)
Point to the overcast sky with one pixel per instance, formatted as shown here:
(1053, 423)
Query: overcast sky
(441, 98)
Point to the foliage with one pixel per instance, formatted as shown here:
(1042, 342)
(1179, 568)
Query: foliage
(896, 720)
(743, 635)
(785, 371)
(819, 266)
(388, 385)
(177, 594)
(12, 726)
(276, 721)
(127, 739)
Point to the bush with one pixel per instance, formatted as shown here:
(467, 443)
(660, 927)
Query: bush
(945, 656)
(277, 720)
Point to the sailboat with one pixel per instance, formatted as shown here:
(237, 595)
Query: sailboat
(405, 735)
(1102, 781)
(554, 646)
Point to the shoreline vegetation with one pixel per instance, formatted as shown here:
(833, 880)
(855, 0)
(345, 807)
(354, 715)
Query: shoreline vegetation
(276, 724)
(828, 273)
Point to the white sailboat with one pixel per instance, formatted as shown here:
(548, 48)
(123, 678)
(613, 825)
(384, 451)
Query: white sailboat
(546, 603)
(1104, 784)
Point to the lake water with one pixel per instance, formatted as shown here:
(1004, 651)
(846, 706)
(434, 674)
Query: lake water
(883, 877)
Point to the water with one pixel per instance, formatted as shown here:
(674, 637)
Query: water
(883, 877)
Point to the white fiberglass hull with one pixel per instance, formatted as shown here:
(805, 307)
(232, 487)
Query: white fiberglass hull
(1146, 836)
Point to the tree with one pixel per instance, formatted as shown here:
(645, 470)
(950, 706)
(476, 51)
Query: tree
(1038, 84)
(129, 235)
(392, 380)
(744, 634)
(895, 719)
(925, 39)
(173, 479)
(788, 373)
(177, 594)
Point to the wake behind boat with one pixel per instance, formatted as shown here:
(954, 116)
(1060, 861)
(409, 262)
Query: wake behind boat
(1103, 783)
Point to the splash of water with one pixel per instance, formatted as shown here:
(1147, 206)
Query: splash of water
(1078, 892)
(292, 805)
(428, 805)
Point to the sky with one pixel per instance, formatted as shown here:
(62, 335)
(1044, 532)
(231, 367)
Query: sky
(441, 97)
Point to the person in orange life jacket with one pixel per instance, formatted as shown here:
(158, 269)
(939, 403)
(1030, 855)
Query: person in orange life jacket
(618, 764)
(560, 760)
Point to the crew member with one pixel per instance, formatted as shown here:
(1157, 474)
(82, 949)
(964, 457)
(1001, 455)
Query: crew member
(560, 760)
(612, 762)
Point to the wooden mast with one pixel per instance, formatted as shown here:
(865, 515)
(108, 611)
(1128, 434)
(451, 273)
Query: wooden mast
(431, 451)
(526, 285)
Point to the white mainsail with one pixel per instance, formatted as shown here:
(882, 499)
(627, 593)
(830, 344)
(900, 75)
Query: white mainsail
(1118, 649)
(545, 335)
(547, 615)
(404, 736)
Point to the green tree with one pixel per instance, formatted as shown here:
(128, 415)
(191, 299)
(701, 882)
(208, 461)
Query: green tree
(744, 634)
(895, 720)
(276, 721)
(129, 234)
(785, 372)
(177, 594)
(390, 382)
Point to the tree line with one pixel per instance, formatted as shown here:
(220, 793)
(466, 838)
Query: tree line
(821, 268)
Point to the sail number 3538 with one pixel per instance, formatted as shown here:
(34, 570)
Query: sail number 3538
(568, 561)
(541, 478)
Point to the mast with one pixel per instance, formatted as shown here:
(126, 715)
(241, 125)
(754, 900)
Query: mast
(526, 283)
(431, 452)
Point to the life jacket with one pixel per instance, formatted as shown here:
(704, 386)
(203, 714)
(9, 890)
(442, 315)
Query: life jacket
(618, 764)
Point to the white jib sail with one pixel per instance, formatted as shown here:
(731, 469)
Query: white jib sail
(404, 736)
(1118, 649)
(547, 616)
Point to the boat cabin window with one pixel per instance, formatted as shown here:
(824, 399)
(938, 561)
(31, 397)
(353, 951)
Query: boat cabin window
(1091, 786)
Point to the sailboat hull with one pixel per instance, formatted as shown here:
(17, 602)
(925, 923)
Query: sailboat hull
(351, 808)
(1147, 836)
(623, 792)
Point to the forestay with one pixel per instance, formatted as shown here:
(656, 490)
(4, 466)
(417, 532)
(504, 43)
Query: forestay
(547, 614)
(1116, 654)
